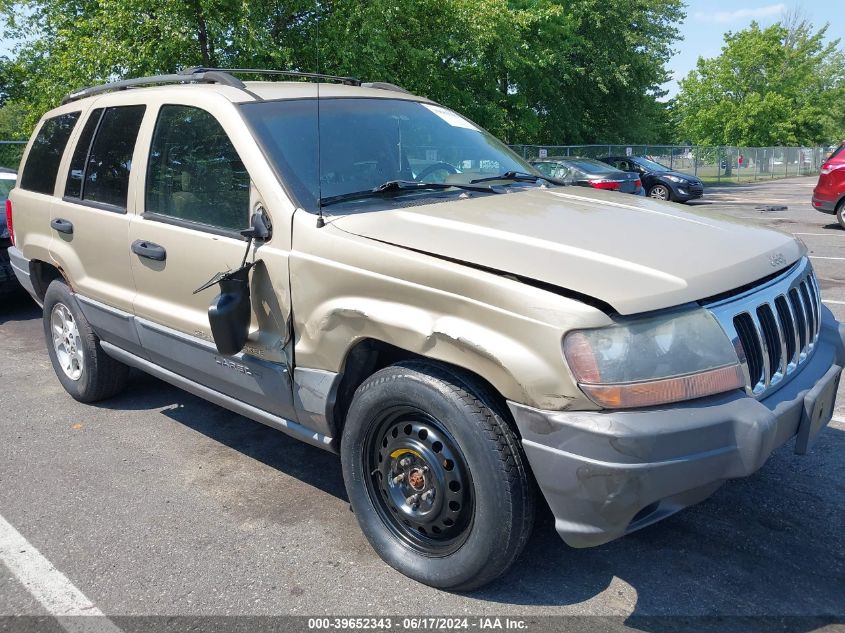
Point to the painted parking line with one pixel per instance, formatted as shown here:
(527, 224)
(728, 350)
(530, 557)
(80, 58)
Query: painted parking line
(58, 595)
(819, 257)
(834, 302)
(840, 235)
(839, 419)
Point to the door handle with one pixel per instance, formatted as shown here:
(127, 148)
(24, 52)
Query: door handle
(143, 248)
(62, 226)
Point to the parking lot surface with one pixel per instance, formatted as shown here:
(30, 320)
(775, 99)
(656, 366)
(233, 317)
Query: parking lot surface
(157, 502)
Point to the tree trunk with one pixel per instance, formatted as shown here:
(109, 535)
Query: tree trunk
(202, 35)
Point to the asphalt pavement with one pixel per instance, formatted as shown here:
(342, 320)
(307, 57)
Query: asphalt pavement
(158, 503)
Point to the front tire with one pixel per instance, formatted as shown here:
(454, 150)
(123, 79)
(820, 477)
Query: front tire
(86, 372)
(436, 476)
(660, 192)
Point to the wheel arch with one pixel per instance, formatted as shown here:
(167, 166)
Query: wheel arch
(42, 274)
(369, 355)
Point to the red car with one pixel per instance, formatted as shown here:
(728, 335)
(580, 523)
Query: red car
(829, 194)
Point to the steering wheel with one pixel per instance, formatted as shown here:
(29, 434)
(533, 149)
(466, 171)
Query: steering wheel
(434, 167)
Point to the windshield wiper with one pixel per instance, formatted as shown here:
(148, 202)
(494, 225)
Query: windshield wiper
(518, 176)
(394, 186)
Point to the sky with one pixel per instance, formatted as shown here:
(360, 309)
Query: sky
(708, 20)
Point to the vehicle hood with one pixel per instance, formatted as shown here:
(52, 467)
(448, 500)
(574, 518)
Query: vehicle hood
(635, 254)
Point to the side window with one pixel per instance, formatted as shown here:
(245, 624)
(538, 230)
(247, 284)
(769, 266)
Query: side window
(194, 171)
(75, 174)
(42, 164)
(106, 178)
(562, 171)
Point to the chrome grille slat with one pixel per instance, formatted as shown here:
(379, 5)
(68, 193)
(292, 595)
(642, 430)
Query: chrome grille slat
(775, 345)
(814, 301)
(801, 323)
(810, 312)
(790, 331)
(773, 327)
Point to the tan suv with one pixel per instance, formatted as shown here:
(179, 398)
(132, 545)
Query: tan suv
(373, 274)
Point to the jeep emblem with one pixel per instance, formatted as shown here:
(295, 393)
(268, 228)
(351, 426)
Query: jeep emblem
(777, 259)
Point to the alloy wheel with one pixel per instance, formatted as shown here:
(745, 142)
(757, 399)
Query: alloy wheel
(659, 192)
(66, 341)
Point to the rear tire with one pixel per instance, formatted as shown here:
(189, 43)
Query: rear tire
(436, 476)
(86, 372)
(840, 213)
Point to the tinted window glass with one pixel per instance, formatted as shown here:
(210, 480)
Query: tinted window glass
(110, 159)
(42, 164)
(590, 166)
(367, 142)
(75, 174)
(6, 185)
(195, 172)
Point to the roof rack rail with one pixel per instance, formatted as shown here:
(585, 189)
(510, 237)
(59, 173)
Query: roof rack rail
(349, 81)
(383, 85)
(209, 76)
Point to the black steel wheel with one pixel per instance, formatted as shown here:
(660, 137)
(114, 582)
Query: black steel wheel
(419, 481)
(436, 476)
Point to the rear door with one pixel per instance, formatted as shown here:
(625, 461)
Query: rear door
(33, 196)
(197, 196)
(90, 222)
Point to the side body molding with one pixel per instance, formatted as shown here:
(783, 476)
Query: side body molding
(261, 390)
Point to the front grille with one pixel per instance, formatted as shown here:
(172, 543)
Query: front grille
(774, 327)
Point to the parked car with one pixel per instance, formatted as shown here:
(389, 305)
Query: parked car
(660, 181)
(588, 172)
(454, 341)
(829, 194)
(8, 283)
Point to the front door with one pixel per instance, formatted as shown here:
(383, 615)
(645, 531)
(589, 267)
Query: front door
(197, 197)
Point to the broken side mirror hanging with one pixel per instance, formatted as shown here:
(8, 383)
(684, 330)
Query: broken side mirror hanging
(230, 312)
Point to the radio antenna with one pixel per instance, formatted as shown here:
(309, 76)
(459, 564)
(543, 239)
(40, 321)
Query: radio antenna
(320, 221)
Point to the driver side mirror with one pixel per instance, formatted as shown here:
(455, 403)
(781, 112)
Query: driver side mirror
(230, 312)
(260, 228)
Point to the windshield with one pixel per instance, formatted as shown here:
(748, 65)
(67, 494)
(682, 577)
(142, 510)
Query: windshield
(367, 142)
(652, 165)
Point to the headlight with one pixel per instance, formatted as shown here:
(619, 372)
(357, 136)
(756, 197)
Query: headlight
(677, 179)
(654, 360)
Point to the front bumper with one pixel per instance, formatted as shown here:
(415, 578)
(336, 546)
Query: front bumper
(608, 473)
(685, 193)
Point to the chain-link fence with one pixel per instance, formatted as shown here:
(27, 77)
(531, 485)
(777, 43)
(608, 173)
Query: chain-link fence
(10, 153)
(710, 163)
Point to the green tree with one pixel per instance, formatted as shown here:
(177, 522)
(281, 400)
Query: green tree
(541, 71)
(783, 85)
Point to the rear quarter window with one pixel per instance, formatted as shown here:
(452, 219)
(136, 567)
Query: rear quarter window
(42, 163)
